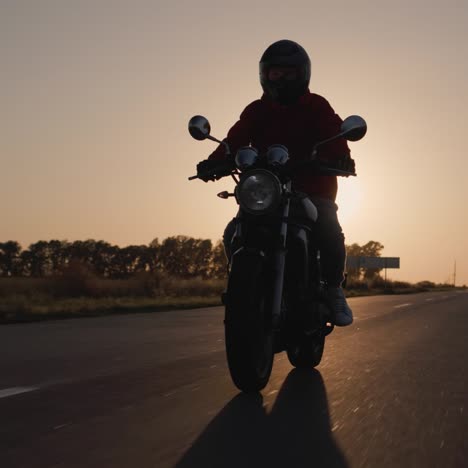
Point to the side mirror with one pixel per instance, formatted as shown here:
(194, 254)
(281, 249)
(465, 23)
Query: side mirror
(199, 127)
(353, 128)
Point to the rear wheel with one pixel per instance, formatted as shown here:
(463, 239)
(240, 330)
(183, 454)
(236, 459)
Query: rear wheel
(307, 340)
(307, 351)
(248, 331)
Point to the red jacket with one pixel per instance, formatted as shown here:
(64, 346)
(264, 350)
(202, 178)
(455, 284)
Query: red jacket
(298, 127)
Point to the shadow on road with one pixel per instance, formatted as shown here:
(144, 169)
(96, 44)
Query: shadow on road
(296, 433)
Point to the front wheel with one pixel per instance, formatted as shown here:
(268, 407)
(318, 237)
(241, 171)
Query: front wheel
(248, 331)
(307, 352)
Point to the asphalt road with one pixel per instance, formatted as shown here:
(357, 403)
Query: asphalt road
(153, 390)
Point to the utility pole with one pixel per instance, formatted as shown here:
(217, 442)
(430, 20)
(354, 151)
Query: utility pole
(454, 273)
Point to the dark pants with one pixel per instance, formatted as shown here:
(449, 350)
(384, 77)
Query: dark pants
(329, 236)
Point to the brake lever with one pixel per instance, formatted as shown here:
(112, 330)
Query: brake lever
(337, 172)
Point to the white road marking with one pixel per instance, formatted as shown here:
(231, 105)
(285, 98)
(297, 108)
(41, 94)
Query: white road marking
(56, 428)
(7, 392)
(430, 299)
(402, 305)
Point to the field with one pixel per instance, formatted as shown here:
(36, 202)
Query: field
(24, 299)
(80, 293)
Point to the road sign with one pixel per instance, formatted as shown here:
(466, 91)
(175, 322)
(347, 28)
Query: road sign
(373, 262)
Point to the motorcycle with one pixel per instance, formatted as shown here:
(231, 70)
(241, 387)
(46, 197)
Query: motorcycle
(275, 296)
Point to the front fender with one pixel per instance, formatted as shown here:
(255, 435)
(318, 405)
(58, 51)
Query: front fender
(248, 266)
(297, 260)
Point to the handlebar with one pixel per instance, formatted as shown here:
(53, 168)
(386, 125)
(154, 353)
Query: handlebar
(321, 169)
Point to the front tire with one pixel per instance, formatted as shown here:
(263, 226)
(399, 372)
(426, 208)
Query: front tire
(248, 331)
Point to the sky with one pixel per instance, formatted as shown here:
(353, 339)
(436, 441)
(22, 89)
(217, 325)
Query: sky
(95, 97)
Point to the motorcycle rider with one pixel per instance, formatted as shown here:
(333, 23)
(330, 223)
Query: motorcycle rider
(289, 114)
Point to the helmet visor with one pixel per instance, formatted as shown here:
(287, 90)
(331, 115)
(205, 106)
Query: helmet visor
(275, 73)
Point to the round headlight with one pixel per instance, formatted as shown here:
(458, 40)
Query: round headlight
(277, 155)
(259, 192)
(246, 157)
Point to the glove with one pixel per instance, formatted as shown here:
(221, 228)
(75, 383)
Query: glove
(213, 170)
(205, 169)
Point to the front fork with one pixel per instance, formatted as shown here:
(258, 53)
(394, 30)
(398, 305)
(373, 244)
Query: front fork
(279, 263)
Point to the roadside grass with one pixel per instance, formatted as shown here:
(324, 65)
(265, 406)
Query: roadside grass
(378, 286)
(79, 293)
(21, 308)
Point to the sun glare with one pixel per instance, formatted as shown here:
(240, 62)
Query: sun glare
(349, 198)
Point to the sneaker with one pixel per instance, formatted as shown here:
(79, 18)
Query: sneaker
(341, 311)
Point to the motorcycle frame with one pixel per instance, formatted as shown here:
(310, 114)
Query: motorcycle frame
(290, 241)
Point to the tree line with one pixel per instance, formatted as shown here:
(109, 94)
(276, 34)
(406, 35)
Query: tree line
(179, 256)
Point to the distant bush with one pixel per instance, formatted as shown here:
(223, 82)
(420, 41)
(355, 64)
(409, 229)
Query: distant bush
(378, 283)
(191, 287)
(425, 285)
(24, 286)
(76, 280)
(355, 284)
(401, 285)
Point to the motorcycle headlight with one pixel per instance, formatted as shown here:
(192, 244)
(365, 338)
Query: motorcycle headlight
(246, 157)
(259, 192)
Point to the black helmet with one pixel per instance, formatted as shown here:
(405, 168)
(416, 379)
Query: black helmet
(286, 54)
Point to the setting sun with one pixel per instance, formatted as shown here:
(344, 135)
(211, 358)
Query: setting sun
(349, 199)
